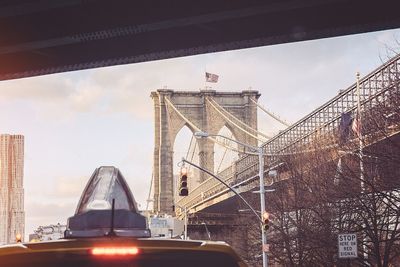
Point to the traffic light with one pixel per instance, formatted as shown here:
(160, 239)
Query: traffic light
(183, 183)
(266, 221)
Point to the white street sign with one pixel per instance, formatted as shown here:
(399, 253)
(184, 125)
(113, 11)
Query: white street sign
(347, 245)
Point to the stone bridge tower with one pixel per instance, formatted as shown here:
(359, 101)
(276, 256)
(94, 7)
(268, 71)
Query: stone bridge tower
(193, 106)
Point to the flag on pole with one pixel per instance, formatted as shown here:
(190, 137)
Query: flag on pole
(344, 127)
(356, 126)
(211, 78)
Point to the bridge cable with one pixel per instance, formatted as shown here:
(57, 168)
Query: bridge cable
(192, 150)
(198, 129)
(237, 119)
(235, 124)
(223, 157)
(330, 146)
(228, 114)
(150, 189)
(189, 148)
(270, 113)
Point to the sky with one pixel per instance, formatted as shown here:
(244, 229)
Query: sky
(77, 121)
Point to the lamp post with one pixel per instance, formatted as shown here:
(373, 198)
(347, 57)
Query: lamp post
(260, 152)
(185, 221)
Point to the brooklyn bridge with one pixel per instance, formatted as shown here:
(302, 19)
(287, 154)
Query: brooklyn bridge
(335, 170)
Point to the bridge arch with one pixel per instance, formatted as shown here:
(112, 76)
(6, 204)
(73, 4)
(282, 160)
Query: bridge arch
(173, 110)
(175, 131)
(184, 145)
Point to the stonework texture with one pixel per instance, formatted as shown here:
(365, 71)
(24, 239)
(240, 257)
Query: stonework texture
(194, 106)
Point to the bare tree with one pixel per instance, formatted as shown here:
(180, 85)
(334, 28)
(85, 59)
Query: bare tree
(326, 194)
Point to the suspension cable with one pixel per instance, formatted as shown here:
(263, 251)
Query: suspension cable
(191, 150)
(151, 187)
(223, 157)
(270, 113)
(197, 128)
(235, 124)
(182, 116)
(194, 151)
(190, 146)
(228, 114)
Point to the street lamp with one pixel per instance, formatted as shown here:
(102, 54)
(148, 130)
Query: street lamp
(260, 152)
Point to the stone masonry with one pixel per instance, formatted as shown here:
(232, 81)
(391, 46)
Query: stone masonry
(193, 105)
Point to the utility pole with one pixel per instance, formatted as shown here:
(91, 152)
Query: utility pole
(262, 204)
(360, 136)
(259, 151)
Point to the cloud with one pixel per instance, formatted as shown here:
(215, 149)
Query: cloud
(43, 89)
(118, 89)
(73, 94)
(127, 88)
(40, 214)
(86, 97)
(39, 210)
(70, 187)
(60, 189)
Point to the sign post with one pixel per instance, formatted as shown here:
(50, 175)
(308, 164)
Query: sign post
(347, 245)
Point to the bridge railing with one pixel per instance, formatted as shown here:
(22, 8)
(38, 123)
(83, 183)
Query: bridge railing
(374, 88)
(346, 100)
(326, 119)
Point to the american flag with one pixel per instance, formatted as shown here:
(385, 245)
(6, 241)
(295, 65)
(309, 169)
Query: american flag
(211, 78)
(356, 126)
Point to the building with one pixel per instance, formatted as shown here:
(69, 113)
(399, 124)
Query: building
(12, 215)
(48, 232)
(166, 226)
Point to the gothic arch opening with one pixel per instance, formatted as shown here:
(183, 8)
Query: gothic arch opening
(185, 146)
(223, 156)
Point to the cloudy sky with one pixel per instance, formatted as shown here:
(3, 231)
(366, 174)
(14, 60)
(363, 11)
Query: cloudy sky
(74, 122)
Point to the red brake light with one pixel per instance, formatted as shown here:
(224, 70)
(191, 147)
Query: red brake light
(114, 251)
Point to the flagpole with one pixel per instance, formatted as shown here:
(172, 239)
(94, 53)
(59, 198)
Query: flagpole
(360, 136)
(361, 155)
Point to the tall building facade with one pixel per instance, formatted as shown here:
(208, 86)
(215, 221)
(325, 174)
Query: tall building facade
(12, 215)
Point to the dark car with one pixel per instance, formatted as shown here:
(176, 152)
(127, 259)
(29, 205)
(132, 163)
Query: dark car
(108, 231)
